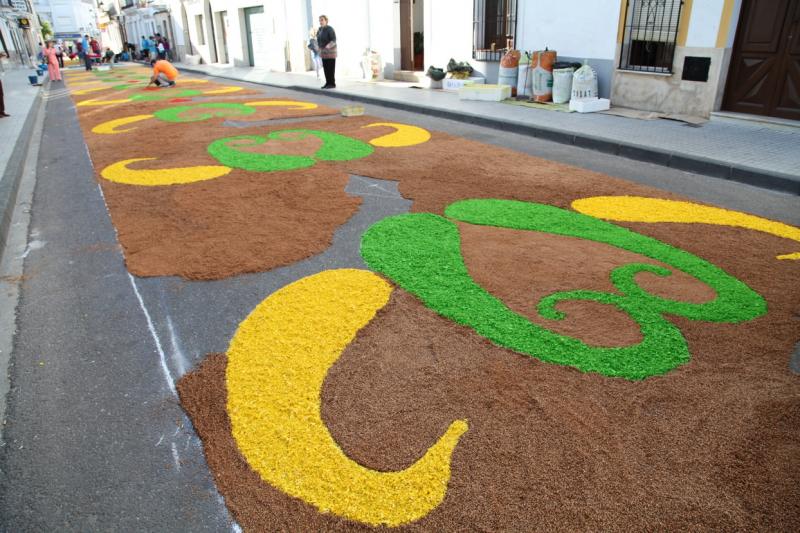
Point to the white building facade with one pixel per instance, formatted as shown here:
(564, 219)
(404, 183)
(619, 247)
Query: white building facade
(674, 56)
(20, 33)
(70, 19)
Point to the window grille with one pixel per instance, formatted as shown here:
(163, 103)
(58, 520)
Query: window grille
(494, 28)
(650, 34)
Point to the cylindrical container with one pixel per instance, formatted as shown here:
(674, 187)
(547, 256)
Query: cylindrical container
(562, 84)
(524, 80)
(542, 67)
(508, 70)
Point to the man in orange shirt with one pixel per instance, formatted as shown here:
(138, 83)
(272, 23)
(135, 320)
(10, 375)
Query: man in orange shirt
(164, 74)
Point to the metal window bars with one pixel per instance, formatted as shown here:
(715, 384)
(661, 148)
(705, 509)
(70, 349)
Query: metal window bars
(494, 28)
(650, 35)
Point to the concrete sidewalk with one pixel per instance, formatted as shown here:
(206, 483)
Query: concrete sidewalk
(756, 153)
(22, 102)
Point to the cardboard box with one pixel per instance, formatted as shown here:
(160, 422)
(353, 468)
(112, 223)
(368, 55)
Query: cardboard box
(452, 84)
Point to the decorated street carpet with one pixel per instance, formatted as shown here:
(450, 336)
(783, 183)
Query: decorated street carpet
(534, 347)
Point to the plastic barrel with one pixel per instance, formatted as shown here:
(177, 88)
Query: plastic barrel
(508, 76)
(542, 66)
(562, 84)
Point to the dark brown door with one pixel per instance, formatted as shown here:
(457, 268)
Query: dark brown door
(764, 77)
(406, 35)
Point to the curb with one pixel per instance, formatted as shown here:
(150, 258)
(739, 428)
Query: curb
(9, 185)
(765, 179)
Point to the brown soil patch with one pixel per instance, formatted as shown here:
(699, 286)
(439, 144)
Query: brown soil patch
(713, 445)
(520, 268)
(433, 174)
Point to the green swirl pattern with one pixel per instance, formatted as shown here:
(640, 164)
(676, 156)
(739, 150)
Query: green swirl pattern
(422, 254)
(334, 147)
(218, 109)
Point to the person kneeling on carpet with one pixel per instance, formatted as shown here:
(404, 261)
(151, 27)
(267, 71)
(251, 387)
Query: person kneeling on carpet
(164, 73)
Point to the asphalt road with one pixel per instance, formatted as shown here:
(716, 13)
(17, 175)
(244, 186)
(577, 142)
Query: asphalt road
(95, 439)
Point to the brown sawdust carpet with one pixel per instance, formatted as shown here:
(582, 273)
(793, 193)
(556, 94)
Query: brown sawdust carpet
(713, 445)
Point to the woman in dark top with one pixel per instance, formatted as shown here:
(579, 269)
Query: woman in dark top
(326, 39)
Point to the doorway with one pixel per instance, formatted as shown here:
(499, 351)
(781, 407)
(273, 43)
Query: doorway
(764, 76)
(256, 28)
(412, 38)
(222, 36)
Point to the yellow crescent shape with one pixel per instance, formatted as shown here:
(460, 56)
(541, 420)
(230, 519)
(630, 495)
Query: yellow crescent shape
(192, 80)
(110, 126)
(294, 104)
(81, 92)
(224, 90)
(96, 102)
(641, 209)
(81, 83)
(404, 136)
(120, 173)
(277, 362)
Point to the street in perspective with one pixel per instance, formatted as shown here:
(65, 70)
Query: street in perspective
(414, 265)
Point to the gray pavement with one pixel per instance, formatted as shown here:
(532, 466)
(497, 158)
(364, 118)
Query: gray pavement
(95, 438)
(21, 102)
(761, 154)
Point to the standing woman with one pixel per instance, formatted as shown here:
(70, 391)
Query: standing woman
(52, 61)
(326, 39)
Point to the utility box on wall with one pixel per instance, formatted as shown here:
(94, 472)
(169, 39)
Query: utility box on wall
(696, 68)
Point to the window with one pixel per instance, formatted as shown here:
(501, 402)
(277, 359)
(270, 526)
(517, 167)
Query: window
(650, 33)
(494, 28)
(201, 33)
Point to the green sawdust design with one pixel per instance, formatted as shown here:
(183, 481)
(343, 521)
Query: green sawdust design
(334, 147)
(166, 95)
(220, 109)
(422, 254)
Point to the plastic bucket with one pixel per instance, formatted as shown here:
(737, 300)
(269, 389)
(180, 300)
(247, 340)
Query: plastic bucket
(508, 76)
(33, 79)
(562, 85)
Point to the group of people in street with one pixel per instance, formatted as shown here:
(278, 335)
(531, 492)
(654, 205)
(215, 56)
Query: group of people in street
(154, 47)
(321, 43)
(87, 49)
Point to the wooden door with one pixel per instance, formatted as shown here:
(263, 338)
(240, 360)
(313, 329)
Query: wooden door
(406, 36)
(764, 76)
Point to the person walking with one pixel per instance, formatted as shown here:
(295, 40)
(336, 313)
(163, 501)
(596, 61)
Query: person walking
(87, 52)
(326, 39)
(50, 58)
(313, 46)
(145, 48)
(60, 53)
(3, 113)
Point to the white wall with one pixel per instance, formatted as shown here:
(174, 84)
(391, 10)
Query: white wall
(417, 11)
(72, 16)
(704, 23)
(448, 32)
(573, 28)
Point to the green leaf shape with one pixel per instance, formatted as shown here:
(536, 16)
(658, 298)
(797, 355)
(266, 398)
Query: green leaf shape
(334, 147)
(422, 254)
(219, 109)
(166, 95)
(226, 152)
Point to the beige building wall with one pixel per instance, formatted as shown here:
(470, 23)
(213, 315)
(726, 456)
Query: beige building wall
(706, 29)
